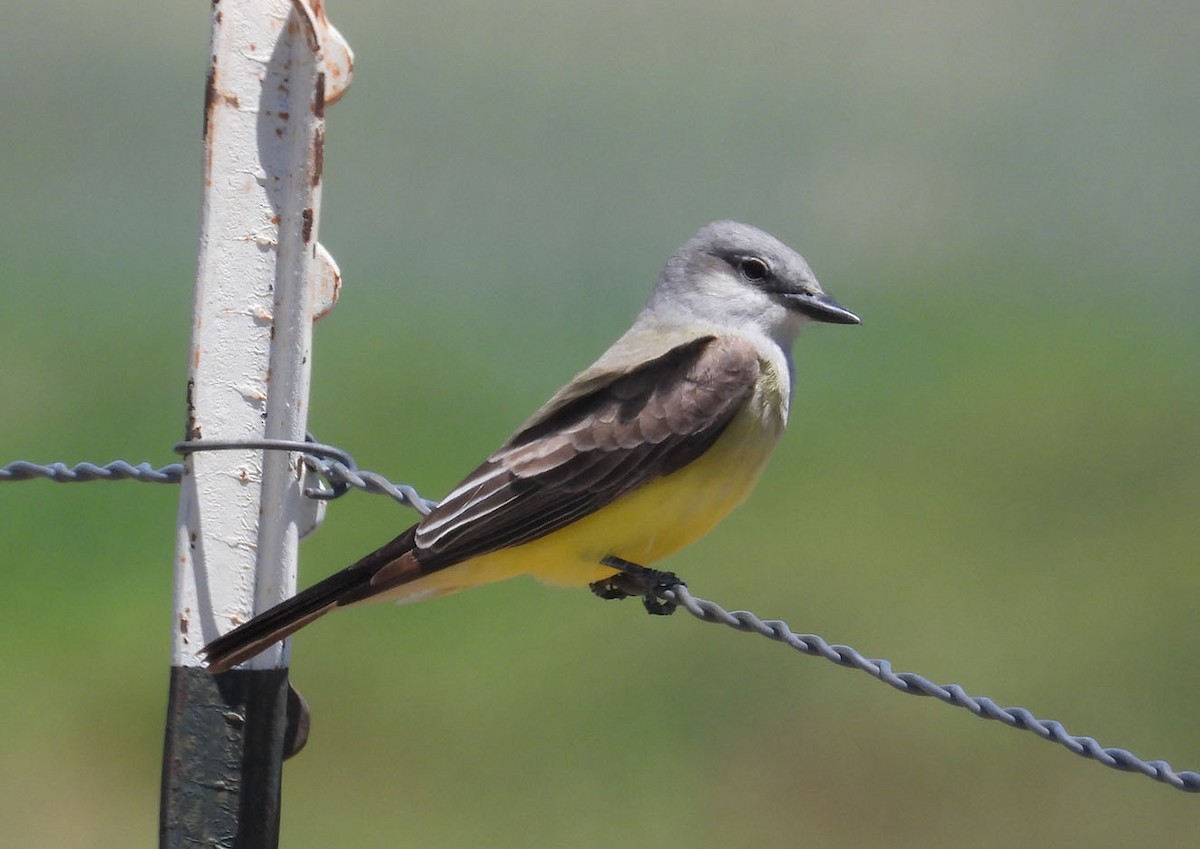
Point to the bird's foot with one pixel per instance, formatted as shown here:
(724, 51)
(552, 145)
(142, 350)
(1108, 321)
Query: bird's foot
(635, 580)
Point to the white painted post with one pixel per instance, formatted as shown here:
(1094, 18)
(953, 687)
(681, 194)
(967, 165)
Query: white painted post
(261, 280)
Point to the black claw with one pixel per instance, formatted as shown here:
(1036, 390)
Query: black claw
(613, 587)
(656, 606)
(634, 580)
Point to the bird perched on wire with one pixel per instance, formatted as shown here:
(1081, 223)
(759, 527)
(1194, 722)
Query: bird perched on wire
(640, 454)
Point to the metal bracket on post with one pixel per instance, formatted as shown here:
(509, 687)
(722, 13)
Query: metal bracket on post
(262, 279)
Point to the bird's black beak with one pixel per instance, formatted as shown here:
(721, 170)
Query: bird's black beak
(822, 308)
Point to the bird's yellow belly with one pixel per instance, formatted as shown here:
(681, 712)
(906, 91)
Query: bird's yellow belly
(644, 526)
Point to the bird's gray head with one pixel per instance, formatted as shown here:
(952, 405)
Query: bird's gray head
(736, 277)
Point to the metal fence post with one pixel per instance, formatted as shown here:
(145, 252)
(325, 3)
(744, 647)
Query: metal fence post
(261, 280)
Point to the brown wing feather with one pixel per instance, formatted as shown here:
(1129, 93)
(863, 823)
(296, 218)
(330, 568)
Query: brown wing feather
(642, 425)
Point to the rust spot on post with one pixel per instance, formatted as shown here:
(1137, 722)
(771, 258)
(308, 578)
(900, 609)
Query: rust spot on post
(210, 96)
(319, 96)
(306, 226)
(193, 427)
(318, 156)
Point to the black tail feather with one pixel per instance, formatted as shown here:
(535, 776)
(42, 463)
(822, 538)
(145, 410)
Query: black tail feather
(269, 627)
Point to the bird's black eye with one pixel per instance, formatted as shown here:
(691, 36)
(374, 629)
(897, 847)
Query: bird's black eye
(753, 268)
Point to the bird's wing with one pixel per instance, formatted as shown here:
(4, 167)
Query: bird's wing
(627, 430)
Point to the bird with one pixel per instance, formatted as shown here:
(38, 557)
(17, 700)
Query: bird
(640, 454)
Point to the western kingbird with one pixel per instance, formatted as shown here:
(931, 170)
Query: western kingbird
(640, 454)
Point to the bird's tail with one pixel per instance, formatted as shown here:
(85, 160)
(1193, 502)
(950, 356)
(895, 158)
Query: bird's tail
(354, 583)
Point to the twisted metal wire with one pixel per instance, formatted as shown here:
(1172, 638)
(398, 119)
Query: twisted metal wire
(339, 474)
(22, 470)
(336, 468)
(344, 476)
(916, 685)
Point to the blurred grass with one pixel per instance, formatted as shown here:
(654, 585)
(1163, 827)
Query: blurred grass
(994, 481)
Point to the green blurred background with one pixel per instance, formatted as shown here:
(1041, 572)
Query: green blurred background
(995, 481)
